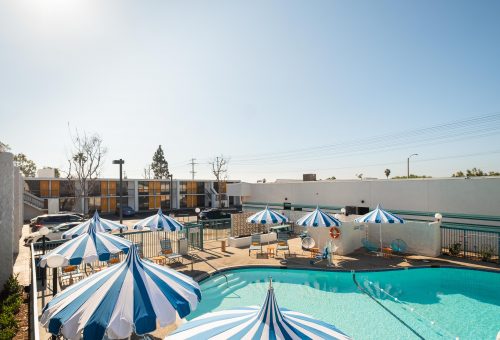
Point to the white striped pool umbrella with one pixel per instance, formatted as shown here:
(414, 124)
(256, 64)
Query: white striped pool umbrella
(88, 247)
(101, 224)
(127, 298)
(266, 322)
(267, 216)
(318, 218)
(159, 221)
(379, 216)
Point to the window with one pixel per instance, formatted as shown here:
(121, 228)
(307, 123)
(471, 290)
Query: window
(200, 188)
(165, 201)
(54, 188)
(66, 189)
(143, 187)
(94, 204)
(34, 187)
(183, 202)
(165, 188)
(94, 188)
(183, 187)
(143, 203)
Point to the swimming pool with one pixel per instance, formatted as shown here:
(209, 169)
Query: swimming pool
(436, 303)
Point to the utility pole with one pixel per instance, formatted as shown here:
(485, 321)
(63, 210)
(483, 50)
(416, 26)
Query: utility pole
(192, 167)
(408, 164)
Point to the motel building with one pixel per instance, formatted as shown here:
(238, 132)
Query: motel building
(47, 194)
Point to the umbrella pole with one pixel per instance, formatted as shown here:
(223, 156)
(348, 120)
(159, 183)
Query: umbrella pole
(381, 238)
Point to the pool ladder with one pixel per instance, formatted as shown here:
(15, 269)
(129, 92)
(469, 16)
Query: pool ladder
(364, 291)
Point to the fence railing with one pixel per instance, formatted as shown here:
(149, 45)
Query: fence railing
(471, 242)
(33, 307)
(33, 200)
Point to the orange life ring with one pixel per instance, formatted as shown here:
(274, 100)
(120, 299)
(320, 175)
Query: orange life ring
(334, 232)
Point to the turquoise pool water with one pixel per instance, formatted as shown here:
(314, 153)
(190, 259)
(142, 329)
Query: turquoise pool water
(437, 303)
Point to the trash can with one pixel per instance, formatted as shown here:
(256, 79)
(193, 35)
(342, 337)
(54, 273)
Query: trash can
(223, 245)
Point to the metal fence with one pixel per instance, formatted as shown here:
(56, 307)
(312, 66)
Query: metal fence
(471, 242)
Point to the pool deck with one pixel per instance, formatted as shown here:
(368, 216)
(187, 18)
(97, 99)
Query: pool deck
(212, 259)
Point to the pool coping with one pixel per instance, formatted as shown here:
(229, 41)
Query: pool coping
(213, 273)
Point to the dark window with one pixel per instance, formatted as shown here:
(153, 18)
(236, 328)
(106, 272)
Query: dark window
(143, 203)
(66, 189)
(124, 188)
(94, 189)
(165, 188)
(165, 202)
(94, 204)
(34, 187)
(183, 202)
(200, 187)
(183, 187)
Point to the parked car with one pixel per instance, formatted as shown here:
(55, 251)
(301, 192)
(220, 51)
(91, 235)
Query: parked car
(127, 211)
(55, 233)
(53, 220)
(213, 214)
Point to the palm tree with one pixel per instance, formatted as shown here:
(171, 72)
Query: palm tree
(387, 172)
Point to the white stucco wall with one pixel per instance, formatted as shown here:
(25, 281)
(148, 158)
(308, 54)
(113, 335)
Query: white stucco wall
(6, 215)
(18, 207)
(479, 196)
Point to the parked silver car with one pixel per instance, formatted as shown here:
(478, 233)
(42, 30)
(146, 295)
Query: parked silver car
(55, 233)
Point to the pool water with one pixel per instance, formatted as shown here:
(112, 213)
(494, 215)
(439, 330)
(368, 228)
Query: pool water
(435, 303)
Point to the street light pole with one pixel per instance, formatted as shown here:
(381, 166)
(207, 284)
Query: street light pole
(408, 163)
(120, 162)
(171, 192)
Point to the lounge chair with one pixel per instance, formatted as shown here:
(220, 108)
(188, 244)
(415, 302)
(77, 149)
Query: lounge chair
(282, 243)
(255, 244)
(370, 246)
(68, 275)
(399, 246)
(167, 252)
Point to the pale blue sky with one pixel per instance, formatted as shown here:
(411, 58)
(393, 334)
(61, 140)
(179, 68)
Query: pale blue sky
(254, 80)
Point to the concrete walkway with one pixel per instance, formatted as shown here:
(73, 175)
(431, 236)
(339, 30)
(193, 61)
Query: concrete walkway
(22, 262)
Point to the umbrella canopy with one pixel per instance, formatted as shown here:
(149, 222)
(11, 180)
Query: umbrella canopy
(318, 218)
(101, 224)
(88, 247)
(159, 221)
(267, 216)
(266, 322)
(127, 298)
(379, 216)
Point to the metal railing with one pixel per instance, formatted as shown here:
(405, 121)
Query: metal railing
(34, 200)
(33, 307)
(471, 242)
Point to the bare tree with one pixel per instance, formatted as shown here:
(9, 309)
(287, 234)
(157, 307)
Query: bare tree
(219, 169)
(85, 164)
(147, 172)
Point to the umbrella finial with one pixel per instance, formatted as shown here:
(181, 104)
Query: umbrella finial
(159, 212)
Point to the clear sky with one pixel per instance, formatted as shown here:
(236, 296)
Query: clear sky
(356, 85)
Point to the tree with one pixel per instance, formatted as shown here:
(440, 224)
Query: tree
(85, 164)
(4, 147)
(360, 176)
(411, 176)
(458, 174)
(147, 172)
(493, 173)
(219, 169)
(387, 172)
(160, 164)
(331, 178)
(27, 166)
(475, 172)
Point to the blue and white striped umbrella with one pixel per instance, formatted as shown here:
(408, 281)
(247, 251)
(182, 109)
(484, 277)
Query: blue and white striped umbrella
(267, 216)
(159, 221)
(318, 218)
(131, 297)
(88, 247)
(266, 322)
(379, 216)
(101, 224)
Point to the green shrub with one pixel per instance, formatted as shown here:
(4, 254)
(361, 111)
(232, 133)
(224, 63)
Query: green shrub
(455, 249)
(10, 302)
(486, 254)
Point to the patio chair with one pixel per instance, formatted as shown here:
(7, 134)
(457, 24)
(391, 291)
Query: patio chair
(113, 259)
(68, 275)
(167, 252)
(139, 247)
(399, 246)
(370, 246)
(255, 244)
(282, 243)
